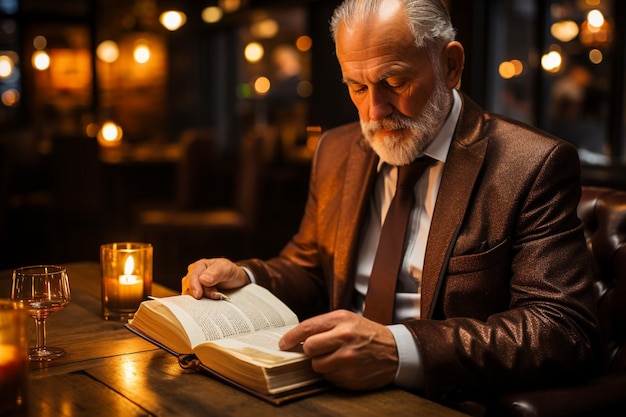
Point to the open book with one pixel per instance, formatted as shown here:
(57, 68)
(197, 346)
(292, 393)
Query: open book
(235, 339)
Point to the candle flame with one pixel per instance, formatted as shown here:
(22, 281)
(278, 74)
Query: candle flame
(129, 266)
(9, 356)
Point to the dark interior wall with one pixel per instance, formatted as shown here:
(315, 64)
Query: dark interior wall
(330, 102)
(469, 18)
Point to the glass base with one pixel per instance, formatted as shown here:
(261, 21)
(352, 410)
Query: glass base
(45, 354)
(122, 316)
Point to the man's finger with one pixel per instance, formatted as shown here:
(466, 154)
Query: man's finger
(191, 282)
(309, 327)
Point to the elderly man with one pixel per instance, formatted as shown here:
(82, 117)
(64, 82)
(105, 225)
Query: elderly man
(493, 287)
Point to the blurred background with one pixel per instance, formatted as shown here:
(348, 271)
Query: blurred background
(191, 124)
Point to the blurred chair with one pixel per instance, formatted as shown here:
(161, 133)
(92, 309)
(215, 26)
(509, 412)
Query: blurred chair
(182, 234)
(603, 213)
(77, 206)
(197, 169)
(5, 177)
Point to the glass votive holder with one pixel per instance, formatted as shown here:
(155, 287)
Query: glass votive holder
(13, 359)
(126, 278)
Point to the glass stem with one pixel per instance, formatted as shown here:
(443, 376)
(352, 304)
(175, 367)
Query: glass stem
(40, 325)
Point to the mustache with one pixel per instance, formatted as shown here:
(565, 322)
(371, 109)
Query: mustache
(394, 121)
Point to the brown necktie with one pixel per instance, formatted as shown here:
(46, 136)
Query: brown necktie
(379, 301)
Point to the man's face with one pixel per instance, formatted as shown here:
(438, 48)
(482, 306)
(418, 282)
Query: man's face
(401, 100)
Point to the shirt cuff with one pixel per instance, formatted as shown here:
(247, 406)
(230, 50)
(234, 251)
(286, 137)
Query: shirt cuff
(410, 372)
(249, 273)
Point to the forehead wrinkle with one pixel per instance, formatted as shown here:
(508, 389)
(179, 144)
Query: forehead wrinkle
(375, 73)
(396, 51)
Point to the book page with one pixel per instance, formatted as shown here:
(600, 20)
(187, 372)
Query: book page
(250, 309)
(261, 348)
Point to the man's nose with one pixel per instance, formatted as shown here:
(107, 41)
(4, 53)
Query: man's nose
(379, 105)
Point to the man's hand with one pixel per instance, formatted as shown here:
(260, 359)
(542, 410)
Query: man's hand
(348, 350)
(206, 276)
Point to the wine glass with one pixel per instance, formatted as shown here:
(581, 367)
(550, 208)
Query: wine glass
(43, 290)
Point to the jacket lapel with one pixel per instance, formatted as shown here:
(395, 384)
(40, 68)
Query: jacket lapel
(463, 164)
(359, 179)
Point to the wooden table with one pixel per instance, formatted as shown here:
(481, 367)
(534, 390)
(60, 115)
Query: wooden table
(108, 371)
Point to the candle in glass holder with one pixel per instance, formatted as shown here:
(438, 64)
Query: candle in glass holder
(13, 360)
(125, 287)
(129, 286)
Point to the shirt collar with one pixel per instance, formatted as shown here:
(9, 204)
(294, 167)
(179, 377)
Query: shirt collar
(439, 147)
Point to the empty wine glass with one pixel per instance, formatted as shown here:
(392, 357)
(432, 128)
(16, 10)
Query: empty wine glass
(43, 290)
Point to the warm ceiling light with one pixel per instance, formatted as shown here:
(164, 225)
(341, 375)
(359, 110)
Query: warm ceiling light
(141, 54)
(595, 56)
(172, 19)
(10, 97)
(212, 14)
(6, 66)
(110, 134)
(551, 61)
(565, 30)
(506, 70)
(230, 5)
(304, 43)
(262, 85)
(41, 60)
(510, 69)
(108, 51)
(254, 52)
(595, 18)
(594, 30)
(265, 29)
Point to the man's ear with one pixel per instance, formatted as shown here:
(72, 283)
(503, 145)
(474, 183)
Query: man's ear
(453, 60)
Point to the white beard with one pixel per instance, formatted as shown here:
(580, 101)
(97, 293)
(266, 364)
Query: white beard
(411, 137)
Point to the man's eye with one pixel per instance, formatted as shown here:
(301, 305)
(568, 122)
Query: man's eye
(395, 83)
(359, 89)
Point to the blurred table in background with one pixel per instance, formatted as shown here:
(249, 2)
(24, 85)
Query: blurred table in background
(141, 153)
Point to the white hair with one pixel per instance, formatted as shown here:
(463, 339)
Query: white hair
(428, 20)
